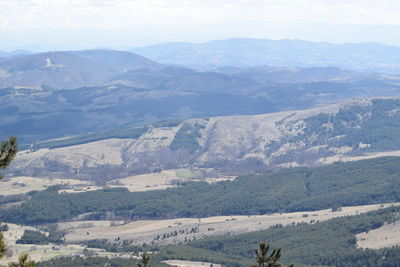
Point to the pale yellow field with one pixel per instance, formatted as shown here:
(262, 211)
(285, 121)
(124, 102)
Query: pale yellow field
(87, 224)
(24, 184)
(181, 229)
(161, 180)
(330, 160)
(15, 232)
(144, 182)
(43, 252)
(179, 263)
(146, 231)
(91, 154)
(385, 236)
(81, 188)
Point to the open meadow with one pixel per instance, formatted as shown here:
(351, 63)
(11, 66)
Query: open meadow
(180, 230)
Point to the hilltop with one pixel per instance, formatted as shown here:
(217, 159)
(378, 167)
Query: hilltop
(351, 130)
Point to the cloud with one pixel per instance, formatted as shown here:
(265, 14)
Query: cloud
(100, 14)
(109, 22)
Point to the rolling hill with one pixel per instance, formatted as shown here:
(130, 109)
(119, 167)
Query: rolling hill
(242, 52)
(286, 190)
(16, 52)
(351, 130)
(68, 69)
(137, 93)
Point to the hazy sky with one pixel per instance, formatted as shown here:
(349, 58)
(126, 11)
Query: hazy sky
(75, 24)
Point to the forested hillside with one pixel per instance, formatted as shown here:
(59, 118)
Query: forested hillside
(231, 144)
(109, 90)
(330, 243)
(295, 189)
(164, 133)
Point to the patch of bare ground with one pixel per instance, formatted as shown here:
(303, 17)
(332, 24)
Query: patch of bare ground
(25, 184)
(343, 158)
(385, 236)
(137, 183)
(179, 263)
(163, 180)
(92, 154)
(178, 230)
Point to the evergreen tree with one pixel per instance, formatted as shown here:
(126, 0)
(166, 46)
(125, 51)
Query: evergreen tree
(22, 262)
(265, 260)
(3, 248)
(8, 150)
(144, 261)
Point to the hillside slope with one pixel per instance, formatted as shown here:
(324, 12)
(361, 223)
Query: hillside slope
(235, 144)
(148, 94)
(292, 189)
(69, 69)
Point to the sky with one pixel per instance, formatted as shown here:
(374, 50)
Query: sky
(123, 24)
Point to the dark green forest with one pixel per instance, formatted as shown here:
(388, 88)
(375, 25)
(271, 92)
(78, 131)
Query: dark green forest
(135, 132)
(329, 243)
(286, 190)
(186, 137)
(376, 124)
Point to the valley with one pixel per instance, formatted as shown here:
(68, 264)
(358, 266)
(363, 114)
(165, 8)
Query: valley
(195, 154)
(181, 230)
(162, 232)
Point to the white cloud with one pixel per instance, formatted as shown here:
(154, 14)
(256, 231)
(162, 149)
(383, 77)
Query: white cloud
(100, 14)
(150, 21)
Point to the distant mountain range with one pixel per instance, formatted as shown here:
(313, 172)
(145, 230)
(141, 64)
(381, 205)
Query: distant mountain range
(57, 94)
(240, 52)
(145, 96)
(266, 61)
(17, 52)
(69, 69)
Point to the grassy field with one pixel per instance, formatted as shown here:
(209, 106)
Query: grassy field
(25, 184)
(330, 160)
(91, 154)
(162, 232)
(385, 236)
(179, 263)
(165, 179)
(44, 252)
(137, 183)
(181, 230)
(184, 173)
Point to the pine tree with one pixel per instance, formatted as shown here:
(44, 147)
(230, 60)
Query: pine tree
(265, 260)
(22, 262)
(3, 248)
(8, 150)
(144, 261)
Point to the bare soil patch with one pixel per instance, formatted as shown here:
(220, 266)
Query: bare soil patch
(179, 263)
